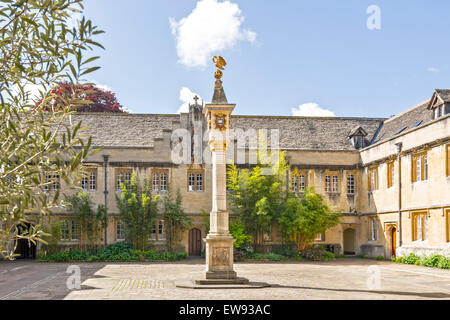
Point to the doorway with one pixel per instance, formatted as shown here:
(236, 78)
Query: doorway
(349, 241)
(393, 241)
(195, 242)
(25, 249)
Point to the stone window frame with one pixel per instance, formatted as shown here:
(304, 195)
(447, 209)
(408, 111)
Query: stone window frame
(332, 181)
(74, 230)
(390, 173)
(89, 180)
(160, 174)
(158, 231)
(125, 175)
(419, 167)
(193, 176)
(67, 227)
(320, 237)
(422, 217)
(372, 178)
(55, 185)
(374, 229)
(299, 180)
(120, 230)
(351, 183)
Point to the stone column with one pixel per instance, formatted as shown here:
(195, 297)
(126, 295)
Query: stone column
(219, 242)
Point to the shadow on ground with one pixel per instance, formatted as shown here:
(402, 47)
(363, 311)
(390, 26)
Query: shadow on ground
(433, 295)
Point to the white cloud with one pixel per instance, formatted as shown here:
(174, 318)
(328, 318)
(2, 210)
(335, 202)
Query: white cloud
(211, 27)
(186, 96)
(433, 70)
(311, 109)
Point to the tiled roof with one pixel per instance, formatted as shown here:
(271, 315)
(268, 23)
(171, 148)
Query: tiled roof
(409, 119)
(140, 130)
(124, 130)
(305, 133)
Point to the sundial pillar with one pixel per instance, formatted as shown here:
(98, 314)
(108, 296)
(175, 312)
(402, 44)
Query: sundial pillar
(219, 242)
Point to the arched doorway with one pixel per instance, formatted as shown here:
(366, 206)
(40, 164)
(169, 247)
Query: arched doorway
(349, 241)
(393, 241)
(195, 242)
(25, 249)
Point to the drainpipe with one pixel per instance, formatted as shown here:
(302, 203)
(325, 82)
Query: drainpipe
(399, 158)
(105, 166)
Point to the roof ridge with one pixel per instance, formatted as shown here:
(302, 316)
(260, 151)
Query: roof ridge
(408, 110)
(305, 117)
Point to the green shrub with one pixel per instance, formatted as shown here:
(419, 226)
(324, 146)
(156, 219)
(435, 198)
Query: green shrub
(433, 261)
(411, 259)
(266, 256)
(340, 256)
(444, 262)
(328, 256)
(360, 256)
(286, 251)
(122, 252)
(379, 258)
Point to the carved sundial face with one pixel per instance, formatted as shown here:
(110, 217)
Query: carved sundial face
(220, 121)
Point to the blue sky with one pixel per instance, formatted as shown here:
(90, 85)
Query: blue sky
(280, 54)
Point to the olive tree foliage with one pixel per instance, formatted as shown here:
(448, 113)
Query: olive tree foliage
(40, 47)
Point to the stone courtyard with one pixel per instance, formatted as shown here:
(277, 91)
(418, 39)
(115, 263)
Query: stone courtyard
(340, 279)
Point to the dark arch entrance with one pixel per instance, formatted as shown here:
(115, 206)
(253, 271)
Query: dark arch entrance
(195, 242)
(349, 241)
(25, 249)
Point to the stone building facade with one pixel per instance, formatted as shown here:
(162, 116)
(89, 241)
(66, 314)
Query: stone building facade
(390, 177)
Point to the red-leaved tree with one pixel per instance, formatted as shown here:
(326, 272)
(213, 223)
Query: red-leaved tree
(91, 98)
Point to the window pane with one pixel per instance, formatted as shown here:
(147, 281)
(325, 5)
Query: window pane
(335, 184)
(75, 230)
(119, 181)
(200, 182)
(191, 182)
(418, 169)
(302, 183)
(128, 179)
(164, 182)
(84, 183)
(93, 181)
(294, 184)
(328, 183)
(350, 184)
(155, 182)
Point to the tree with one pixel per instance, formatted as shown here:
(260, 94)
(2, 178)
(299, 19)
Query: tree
(306, 217)
(175, 221)
(99, 100)
(90, 223)
(256, 195)
(37, 150)
(138, 211)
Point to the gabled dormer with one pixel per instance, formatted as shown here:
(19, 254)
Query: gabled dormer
(357, 137)
(440, 103)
